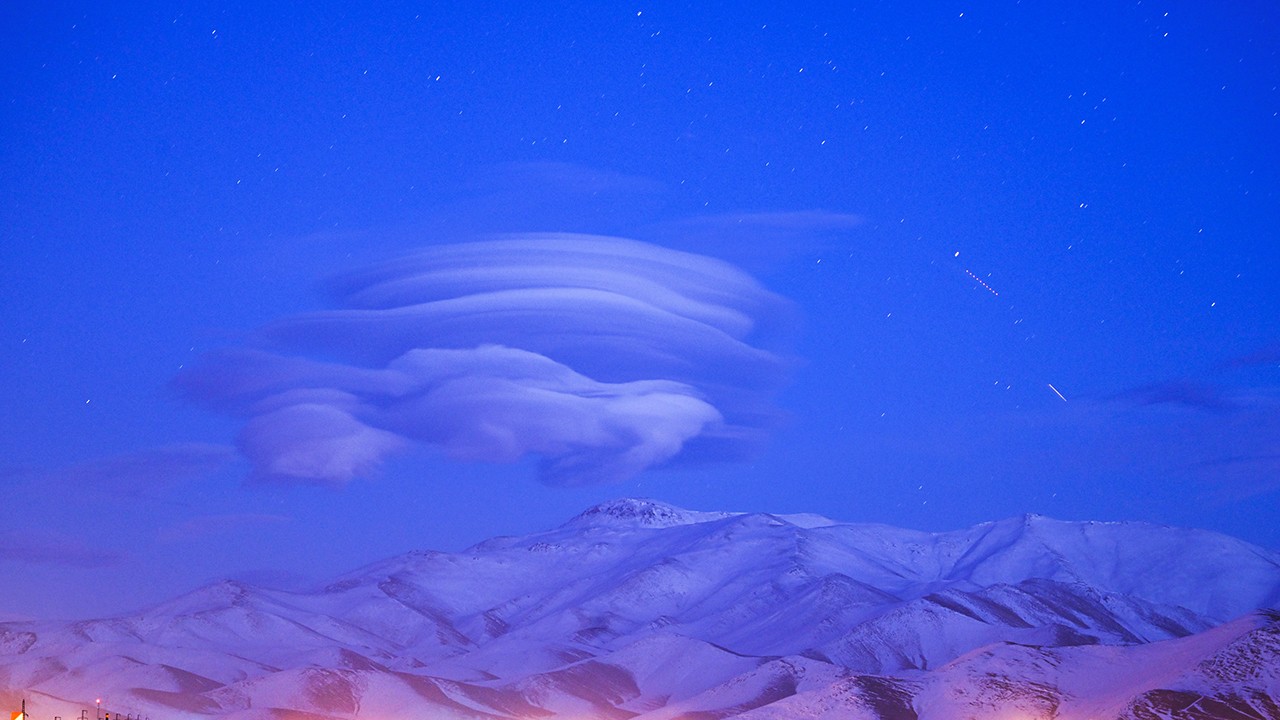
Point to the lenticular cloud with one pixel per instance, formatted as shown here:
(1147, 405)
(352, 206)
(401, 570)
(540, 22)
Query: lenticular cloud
(600, 356)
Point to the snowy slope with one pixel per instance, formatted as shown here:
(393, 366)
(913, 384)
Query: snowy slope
(640, 608)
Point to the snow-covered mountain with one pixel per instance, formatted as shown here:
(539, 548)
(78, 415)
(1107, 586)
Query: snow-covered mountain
(639, 609)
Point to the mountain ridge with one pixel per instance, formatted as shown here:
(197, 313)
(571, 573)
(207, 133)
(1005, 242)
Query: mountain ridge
(637, 607)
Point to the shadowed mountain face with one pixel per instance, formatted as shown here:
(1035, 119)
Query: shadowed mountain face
(639, 609)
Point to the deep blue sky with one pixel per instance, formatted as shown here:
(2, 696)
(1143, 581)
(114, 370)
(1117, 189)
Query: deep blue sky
(958, 209)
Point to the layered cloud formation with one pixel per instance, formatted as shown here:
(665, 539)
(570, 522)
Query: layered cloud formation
(600, 356)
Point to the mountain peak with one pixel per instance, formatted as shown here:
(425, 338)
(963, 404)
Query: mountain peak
(641, 512)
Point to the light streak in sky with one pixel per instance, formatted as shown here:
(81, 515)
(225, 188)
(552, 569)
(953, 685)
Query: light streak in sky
(1055, 391)
(980, 282)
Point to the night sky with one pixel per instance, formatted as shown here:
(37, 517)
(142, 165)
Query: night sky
(290, 290)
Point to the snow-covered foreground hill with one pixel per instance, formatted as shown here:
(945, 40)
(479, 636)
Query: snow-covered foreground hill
(640, 609)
